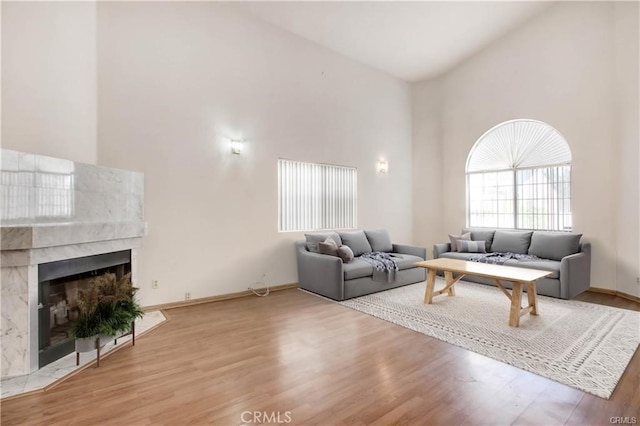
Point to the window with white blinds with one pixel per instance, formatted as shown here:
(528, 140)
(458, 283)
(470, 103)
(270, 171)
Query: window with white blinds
(316, 196)
(519, 177)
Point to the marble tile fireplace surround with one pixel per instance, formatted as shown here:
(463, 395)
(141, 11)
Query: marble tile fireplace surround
(54, 210)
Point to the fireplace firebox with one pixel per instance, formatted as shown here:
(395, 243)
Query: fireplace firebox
(58, 286)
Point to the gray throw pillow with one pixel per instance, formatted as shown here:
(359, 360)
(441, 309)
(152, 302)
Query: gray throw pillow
(345, 253)
(465, 246)
(554, 245)
(482, 234)
(511, 242)
(357, 241)
(379, 240)
(455, 238)
(328, 246)
(314, 239)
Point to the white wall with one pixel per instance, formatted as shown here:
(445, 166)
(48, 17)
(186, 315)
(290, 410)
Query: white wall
(176, 80)
(49, 79)
(627, 133)
(558, 68)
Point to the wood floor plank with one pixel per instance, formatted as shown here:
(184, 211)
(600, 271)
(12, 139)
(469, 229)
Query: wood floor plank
(322, 363)
(553, 406)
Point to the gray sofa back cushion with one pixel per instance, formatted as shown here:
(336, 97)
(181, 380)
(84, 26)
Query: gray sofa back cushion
(379, 240)
(314, 239)
(357, 242)
(511, 241)
(554, 245)
(481, 234)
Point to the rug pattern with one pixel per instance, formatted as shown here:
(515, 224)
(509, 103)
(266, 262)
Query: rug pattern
(579, 344)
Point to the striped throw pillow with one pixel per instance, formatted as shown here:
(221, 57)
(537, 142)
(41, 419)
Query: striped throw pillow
(472, 246)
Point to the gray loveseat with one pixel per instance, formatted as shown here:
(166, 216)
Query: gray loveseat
(329, 276)
(560, 252)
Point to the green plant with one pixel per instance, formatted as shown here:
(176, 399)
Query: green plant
(107, 307)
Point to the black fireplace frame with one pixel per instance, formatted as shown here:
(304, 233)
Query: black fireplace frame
(119, 262)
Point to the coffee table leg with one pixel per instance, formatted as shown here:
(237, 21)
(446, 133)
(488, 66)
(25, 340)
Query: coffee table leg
(533, 298)
(448, 279)
(516, 295)
(431, 283)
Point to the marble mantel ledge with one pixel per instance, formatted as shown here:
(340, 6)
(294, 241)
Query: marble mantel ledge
(33, 236)
(13, 258)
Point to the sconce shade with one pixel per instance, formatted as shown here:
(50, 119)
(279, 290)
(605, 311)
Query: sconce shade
(236, 147)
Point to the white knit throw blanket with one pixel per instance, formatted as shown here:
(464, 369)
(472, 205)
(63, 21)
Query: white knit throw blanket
(384, 266)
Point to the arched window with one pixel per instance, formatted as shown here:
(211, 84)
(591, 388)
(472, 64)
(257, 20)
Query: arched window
(519, 177)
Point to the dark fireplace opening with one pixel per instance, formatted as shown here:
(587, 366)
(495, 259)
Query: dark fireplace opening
(58, 286)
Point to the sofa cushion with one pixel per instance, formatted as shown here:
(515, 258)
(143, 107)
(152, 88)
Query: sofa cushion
(345, 253)
(544, 265)
(511, 242)
(554, 245)
(357, 269)
(314, 239)
(455, 238)
(472, 246)
(357, 242)
(328, 246)
(461, 256)
(482, 234)
(406, 261)
(379, 240)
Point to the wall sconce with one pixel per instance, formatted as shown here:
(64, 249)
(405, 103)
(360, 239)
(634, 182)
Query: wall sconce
(383, 166)
(236, 146)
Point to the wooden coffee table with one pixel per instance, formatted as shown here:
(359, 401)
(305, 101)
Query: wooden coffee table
(519, 277)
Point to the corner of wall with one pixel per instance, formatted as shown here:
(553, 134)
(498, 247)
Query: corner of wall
(626, 129)
(426, 100)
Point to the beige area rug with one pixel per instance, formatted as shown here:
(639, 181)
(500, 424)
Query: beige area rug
(579, 344)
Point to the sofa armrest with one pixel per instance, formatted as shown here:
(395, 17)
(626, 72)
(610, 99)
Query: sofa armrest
(575, 272)
(412, 250)
(438, 249)
(320, 273)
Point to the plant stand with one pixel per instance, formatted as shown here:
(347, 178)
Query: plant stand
(87, 344)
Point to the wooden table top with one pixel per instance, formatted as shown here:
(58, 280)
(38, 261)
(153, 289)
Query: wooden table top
(486, 270)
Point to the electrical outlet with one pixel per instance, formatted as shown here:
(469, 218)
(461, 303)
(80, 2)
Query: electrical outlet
(637, 280)
(154, 284)
(187, 296)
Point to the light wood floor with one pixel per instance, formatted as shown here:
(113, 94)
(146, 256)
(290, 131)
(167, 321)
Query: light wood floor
(322, 363)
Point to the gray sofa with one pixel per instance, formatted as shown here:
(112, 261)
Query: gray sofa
(560, 252)
(329, 276)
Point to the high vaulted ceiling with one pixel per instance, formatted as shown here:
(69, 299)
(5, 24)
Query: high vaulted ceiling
(410, 40)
